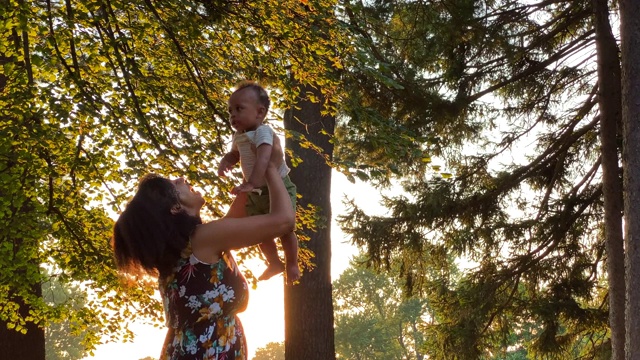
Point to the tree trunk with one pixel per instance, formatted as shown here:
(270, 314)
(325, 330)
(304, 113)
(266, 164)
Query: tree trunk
(308, 310)
(15, 344)
(609, 100)
(27, 346)
(630, 44)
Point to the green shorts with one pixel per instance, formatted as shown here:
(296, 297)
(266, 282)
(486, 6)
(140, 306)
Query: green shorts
(258, 204)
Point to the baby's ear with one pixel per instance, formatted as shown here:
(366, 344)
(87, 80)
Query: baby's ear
(175, 209)
(262, 111)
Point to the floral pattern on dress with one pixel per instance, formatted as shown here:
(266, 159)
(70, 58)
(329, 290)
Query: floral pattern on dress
(201, 302)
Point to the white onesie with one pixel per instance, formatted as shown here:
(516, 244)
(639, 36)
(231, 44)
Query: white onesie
(246, 144)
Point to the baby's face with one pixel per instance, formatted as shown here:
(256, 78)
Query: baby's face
(245, 112)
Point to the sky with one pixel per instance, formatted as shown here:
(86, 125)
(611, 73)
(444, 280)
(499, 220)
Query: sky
(263, 321)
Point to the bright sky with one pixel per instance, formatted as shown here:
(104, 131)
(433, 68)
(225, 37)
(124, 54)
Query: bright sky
(263, 320)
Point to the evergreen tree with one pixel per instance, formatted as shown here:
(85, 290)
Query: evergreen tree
(609, 101)
(485, 113)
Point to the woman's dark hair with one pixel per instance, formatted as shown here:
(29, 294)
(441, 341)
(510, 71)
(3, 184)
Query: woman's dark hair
(148, 236)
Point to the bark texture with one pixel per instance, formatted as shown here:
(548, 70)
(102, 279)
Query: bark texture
(308, 311)
(630, 59)
(609, 101)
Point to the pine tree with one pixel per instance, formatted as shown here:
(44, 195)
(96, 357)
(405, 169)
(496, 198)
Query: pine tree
(485, 113)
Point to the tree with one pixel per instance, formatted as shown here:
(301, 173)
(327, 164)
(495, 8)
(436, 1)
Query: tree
(309, 330)
(609, 100)
(503, 95)
(271, 351)
(373, 318)
(97, 93)
(630, 34)
(65, 339)
(21, 333)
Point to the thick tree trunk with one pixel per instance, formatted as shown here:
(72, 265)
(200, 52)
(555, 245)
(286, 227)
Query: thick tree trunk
(609, 100)
(308, 311)
(630, 39)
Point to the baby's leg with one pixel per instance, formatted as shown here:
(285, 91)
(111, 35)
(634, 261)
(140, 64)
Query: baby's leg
(290, 247)
(274, 264)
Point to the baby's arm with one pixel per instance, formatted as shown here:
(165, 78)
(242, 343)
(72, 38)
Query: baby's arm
(229, 160)
(263, 155)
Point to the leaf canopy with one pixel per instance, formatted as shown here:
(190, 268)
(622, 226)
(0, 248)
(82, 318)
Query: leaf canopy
(97, 93)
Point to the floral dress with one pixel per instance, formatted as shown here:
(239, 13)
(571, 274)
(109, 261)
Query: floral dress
(201, 302)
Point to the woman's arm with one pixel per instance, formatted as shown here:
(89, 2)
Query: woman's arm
(211, 239)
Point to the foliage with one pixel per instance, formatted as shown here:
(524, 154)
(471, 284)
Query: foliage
(65, 339)
(271, 351)
(96, 94)
(503, 93)
(373, 318)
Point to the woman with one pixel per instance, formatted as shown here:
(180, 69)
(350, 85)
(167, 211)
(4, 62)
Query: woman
(160, 232)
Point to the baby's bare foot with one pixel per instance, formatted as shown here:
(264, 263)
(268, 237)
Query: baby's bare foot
(272, 270)
(293, 273)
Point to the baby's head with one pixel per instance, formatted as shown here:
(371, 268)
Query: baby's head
(248, 106)
(261, 93)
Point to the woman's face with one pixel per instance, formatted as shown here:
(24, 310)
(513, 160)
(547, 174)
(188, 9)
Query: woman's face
(190, 199)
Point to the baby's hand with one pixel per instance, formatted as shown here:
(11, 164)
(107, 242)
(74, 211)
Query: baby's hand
(223, 168)
(244, 188)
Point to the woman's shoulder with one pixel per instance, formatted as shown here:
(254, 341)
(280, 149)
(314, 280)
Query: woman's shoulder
(202, 249)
